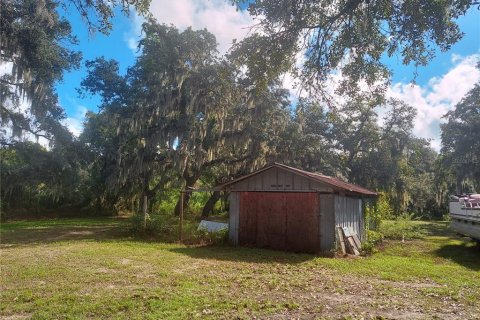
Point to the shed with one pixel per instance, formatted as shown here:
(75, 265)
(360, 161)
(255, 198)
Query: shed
(285, 208)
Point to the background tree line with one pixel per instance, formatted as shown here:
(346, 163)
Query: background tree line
(184, 116)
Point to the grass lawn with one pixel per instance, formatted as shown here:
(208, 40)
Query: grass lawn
(79, 268)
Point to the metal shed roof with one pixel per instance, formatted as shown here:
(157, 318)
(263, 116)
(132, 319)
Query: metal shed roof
(335, 183)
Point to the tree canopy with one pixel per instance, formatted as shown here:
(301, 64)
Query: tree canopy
(183, 116)
(36, 50)
(312, 39)
(461, 140)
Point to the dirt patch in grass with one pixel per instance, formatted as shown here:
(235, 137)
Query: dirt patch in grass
(304, 293)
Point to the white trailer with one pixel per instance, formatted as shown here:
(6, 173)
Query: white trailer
(465, 216)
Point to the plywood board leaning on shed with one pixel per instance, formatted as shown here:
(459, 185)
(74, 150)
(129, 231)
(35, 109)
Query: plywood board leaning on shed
(341, 240)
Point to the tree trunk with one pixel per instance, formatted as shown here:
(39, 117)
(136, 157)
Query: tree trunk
(459, 185)
(146, 195)
(225, 201)
(186, 200)
(145, 206)
(210, 204)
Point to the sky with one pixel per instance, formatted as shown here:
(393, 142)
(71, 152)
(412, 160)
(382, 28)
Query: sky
(438, 87)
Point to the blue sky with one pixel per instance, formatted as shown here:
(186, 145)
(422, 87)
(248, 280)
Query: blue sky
(448, 71)
(470, 44)
(112, 46)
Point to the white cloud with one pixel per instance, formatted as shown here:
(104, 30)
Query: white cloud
(218, 16)
(133, 36)
(75, 122)
(431, 101)
(438, 96)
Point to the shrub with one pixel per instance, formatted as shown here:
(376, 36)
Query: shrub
(403, 228)
(156, 225)
(165, 202)
(374, 237)
(446, 217)
(165, 228)
(383, 206)
(202, 236)
(368, 248)
(374, 214)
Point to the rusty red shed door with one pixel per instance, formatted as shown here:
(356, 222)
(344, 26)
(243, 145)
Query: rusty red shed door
(280, 220)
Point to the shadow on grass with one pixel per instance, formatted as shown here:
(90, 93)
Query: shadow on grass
(39, 234)
(466, 254)
(433, 228)
(49, 234)
(243, 254)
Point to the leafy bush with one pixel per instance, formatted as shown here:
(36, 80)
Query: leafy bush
(192, 235)
(368, 248)
(404, 228)
(384, 207)
(446, 217)
(156, 225)
(165, 228)
(374, 237)
(166, 201)
(381, 210)
(202, 236)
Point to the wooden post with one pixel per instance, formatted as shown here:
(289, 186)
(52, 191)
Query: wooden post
(182, 194)
(145, 206)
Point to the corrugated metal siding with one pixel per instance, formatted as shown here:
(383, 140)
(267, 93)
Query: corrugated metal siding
(348, 213)
(234, 218)
(327, 223)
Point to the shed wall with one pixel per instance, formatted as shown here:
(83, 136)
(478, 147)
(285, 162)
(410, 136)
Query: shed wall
(233, 222)
(334, 211)
(279, 220)
(348, 213)
(327, 222)
(277, 179)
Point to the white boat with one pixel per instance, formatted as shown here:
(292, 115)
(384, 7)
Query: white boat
(465, 215)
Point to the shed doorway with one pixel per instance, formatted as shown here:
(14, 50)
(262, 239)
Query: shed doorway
(280, 220)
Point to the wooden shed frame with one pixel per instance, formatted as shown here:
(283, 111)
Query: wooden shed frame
(339, 203)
